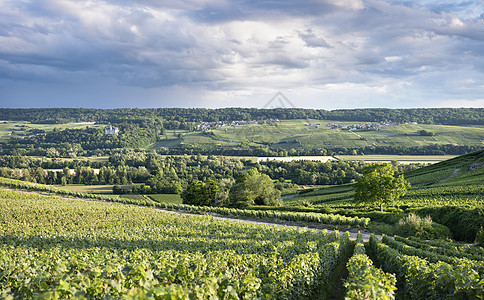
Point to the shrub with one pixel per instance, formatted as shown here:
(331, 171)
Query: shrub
(413, 225)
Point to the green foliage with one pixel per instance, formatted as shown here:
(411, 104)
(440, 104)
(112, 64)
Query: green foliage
(378, 186)
(425, 133)
(331, 219)
(201, 192)
(222, 195)
(418, 278)
(443, 249)
(254, 188)
(365, 281)
(413, 225)
(463, 222)
(144, 128)
(52, 247)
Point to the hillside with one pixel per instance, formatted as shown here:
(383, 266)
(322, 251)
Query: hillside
(460, 171)
(241, 132)
(451, 192)
(327, 134)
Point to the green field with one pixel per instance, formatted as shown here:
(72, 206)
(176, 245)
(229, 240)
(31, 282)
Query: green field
(19, 128)
(166, 198)
(67, 248)
(93, 189)
(288, 134)
(451, 191)
(457, 181)
(108, 189)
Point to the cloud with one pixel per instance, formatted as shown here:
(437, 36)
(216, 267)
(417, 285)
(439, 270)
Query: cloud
(240, 48)
(477, 103)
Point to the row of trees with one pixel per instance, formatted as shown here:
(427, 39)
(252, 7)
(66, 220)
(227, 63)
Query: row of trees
(81, 175)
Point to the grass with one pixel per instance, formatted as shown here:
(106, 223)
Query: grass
(134, 197)
(108, 189)
(166, 198)
(93, 189)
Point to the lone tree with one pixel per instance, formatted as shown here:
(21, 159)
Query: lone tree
(254, 188)
(379, 186)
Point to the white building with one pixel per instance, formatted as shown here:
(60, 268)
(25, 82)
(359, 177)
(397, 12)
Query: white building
(111, 130)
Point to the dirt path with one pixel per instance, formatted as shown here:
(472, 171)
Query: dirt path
(456, 171)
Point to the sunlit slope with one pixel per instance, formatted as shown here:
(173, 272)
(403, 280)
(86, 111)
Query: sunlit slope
(311, 134)
(458, 182)
(463, 170)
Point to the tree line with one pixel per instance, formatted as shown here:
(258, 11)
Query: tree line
(446, 116)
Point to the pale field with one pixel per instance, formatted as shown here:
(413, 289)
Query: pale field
(293, 158)
(403, 159)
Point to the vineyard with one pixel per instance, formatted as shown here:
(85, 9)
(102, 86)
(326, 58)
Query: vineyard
(54, 247)
(451, 192)
(58, 243)
(328, 219)
(426, 272)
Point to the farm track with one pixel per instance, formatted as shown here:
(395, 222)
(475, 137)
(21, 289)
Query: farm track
(456, 171)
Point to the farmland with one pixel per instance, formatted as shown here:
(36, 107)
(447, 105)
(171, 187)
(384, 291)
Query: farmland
(288, 134)
(24, 128)
(104, 249)
(145, 214)
(452, 192)
(110, 250)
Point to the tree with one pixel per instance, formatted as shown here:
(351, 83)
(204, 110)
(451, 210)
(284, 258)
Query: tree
(200, 193)
(379, 186)
(425, 133)
(254, 188)
(222, 196)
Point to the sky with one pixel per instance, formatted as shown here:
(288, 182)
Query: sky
(325, 54)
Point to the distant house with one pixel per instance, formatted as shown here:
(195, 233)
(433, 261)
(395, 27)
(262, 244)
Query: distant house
(111, 130)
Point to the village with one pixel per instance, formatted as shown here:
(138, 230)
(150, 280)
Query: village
(363, 127)
(208, 126)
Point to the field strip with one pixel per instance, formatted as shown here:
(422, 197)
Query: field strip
(353, 233)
